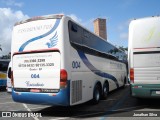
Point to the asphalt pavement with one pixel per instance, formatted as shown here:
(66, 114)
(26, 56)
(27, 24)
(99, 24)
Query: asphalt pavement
(119, 105)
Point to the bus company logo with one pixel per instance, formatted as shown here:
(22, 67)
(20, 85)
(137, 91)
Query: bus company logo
(6, 114)
(35, 28)
(34, 84)
(53, 41)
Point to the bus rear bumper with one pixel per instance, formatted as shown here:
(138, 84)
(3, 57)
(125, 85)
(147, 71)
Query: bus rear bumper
(145, 91)
(62, 98)
(9, 89)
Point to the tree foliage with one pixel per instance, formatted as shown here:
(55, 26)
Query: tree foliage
(123, 48)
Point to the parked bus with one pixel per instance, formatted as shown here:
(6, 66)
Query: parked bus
(9, 85)
(3, 73)
(56, 61)
(144, 57)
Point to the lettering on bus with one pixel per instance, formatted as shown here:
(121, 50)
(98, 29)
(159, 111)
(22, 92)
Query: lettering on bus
(35, 28)
(34, 60)
(35, 76)
(76, 64)
(29, 84)
(36, 65)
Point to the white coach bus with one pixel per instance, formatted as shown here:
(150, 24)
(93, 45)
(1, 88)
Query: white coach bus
(58, 62)
(144, 57)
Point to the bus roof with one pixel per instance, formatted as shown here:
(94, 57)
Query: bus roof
(52, 16)
(145, 18)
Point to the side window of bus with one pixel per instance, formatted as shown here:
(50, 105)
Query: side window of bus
(75, 33)
(84, 40)
(74, 28)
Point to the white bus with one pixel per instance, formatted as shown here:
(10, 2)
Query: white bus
(56, 61)
(9, 85)
(144, 57)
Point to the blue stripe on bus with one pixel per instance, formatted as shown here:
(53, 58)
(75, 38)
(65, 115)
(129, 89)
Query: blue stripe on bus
(95, 70)
(39, 37)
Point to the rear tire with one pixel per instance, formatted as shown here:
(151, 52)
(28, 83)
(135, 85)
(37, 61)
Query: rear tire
(124, 83)
(105, 91)
(96, 94)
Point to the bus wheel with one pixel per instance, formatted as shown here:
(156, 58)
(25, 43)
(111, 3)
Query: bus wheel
(105, 91)
(96, 94)
(124, 83)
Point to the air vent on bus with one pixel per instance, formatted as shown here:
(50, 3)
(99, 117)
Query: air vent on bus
(76, 91)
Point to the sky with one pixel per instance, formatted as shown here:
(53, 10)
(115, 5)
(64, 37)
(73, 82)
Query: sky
(118, 14)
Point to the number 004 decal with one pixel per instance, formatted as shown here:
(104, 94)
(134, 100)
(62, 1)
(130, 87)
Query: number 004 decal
(76, 64)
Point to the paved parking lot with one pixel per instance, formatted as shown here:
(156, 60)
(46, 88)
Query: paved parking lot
(118, 104)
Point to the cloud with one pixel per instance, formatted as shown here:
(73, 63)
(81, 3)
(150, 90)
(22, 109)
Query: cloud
(85, 23)
(122, 26)
(124, 36)
(123, 30)
(75, 18)
(88, 24)
(12, 3)
(126, 3)
(8, 18)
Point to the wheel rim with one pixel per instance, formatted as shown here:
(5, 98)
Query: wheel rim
(97, 95)
(105, 90)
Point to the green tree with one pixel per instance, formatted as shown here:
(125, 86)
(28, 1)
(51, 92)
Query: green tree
(123, 48)
(7, 56)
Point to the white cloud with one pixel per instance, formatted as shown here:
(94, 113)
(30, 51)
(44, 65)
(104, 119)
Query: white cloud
(8, 18)
(12, 3)
(89, 24)
(75, 18)
(124, 25)
(126, 3)
(124, 36)
(85, 23)
(123, 30)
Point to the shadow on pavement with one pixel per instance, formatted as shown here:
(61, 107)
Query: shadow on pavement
(123, 106)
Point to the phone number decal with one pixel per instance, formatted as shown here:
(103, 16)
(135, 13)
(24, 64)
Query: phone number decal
(36, 65)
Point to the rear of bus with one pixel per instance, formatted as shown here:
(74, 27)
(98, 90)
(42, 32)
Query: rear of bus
(39, 74)
(144, 57)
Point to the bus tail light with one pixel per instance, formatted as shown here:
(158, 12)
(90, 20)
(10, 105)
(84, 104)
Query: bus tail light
(12, 79)
(63, 78)
(132, 75)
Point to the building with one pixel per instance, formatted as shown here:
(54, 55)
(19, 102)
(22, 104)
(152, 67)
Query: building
(100, 27)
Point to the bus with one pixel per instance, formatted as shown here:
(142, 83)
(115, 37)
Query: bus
(9, 85)
(144, 57)
(3, 73)
(56, 61)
